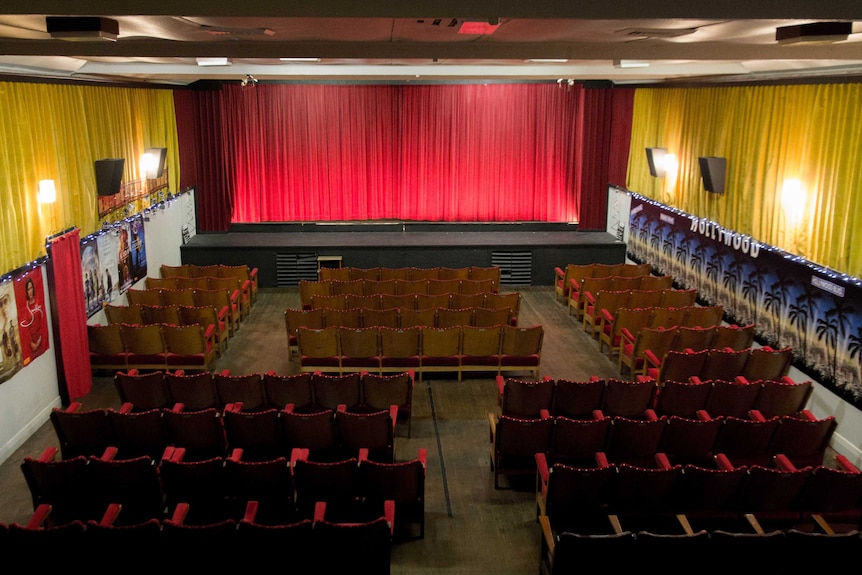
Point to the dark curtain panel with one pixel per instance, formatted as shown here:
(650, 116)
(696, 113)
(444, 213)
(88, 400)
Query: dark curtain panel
(203, 155)
(503, 152)
(70, 316)
(607, 128)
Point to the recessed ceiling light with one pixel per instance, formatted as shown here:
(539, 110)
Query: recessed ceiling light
(300, 59)
(631, 64)
(548, 60)
(212, 61)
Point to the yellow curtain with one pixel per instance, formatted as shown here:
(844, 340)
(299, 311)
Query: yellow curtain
(57, 132)
(810, 134)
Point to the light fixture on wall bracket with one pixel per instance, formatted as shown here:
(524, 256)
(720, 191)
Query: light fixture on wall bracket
(153, 162)
(47, 192)
(565, 82)
(656, 160)
(631, 64)
(249, 80)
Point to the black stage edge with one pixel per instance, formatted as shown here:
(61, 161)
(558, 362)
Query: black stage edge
(285, 253)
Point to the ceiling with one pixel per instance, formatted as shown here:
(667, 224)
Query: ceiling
(428, 41)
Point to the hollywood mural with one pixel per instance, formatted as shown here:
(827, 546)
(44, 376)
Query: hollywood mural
(791, 301)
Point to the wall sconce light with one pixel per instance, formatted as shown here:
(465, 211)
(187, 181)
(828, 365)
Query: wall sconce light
(47, 192)
(656, 157)
(153, 162)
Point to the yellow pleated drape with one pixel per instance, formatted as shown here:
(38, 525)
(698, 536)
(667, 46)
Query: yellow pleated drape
(52, 131)
(769, 134)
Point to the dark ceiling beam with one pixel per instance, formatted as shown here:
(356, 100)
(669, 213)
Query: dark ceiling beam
(480, 9)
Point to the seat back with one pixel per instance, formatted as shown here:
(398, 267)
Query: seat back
(330, 391)
(196, 391)
(766, 363)
(201, 433)
(746, 441)
(373, 431)
(732, 397)
(144, 391)
(246, 389)
(733, 336)
(689, 440)
(724, 364)
(635, 441)
(81, 432)
(682, 398)
(578, 399)
(782, 396)
(521, 398)
(292, 388)
(256, 433)
(318, 348)
(628, 398)
(576, 441)
(703, 316)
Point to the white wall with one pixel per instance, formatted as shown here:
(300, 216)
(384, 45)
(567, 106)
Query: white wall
(27, 398)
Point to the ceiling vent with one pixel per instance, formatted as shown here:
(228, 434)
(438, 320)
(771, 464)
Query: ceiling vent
(657, 33)
(814, 33)
(82, 28)
(224, 31)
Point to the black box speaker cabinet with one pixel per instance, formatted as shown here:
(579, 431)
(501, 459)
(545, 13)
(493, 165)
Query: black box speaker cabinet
(109, 175)
(655, 157)
(712, 170)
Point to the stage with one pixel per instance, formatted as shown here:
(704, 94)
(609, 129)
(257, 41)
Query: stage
(285, 253)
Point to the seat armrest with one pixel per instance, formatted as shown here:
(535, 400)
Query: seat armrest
(180, 513)
(250, 512)
(662, 461)
(807, 414)
(109, 454)
(703, 415)
(235, 454)
(501, 384)
(756, 415)
(363, 454)
(126, 407)
(298, 454)
(722, 461)
(602, 459)
(783, 462)
(39, 517)
(49, 454)
(651, 358)
(542, 468)
(110, 515)
(843, 463)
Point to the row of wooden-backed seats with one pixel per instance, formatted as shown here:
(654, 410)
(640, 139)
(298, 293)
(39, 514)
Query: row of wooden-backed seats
(118, 519)
(563, 276)
(226, 301)
(632, 421)
(205, 434)
(457, 349)
(750, 441)
(420, 301)
(411, 273)
(152, 346)
(589, 287)
(318, 318)
(207, 316)
(624, 325)
(247, 278)
(309, 289)
(616, 397)
(779, 516)
(603, 306)
(306, 392)
(753, 363)
(662, 331)
(321, 544)
(758, 362)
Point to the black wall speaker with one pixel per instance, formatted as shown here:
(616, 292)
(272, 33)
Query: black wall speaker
(109, 175)
(712, 170)
(158, 169)
(655, 157)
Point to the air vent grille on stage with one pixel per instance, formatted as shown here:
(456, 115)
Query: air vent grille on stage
(516, 268)
(291, 268)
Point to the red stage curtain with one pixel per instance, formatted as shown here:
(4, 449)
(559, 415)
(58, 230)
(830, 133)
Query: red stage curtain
(70, 315)
(499, 152)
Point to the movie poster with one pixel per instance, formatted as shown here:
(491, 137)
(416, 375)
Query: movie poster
(137, 248)
(10, 361)
(110, 278)
(93, 288)
(124, 258)
(32, 315)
